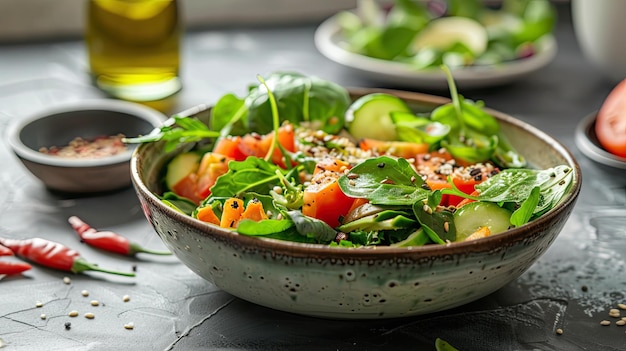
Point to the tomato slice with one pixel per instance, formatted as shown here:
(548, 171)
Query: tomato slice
(239, 148)
(323, 199)
(611, 121)
(436, 167)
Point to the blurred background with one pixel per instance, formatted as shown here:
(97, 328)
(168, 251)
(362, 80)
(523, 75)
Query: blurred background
(64, 19)
(22, 20)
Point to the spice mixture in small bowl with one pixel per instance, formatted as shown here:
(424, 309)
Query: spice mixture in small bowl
(77, 147)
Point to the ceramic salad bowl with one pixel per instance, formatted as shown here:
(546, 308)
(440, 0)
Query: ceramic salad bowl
(350, 283)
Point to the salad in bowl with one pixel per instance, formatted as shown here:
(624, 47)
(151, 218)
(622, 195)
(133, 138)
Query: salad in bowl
(396, 178)
(311, 198)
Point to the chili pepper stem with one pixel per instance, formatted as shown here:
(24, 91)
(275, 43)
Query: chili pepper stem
(81, 265)
(134, 249)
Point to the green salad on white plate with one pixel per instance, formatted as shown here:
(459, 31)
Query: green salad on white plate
(457, 33)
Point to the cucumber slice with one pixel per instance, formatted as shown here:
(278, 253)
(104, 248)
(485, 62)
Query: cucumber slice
(180, 166)
(443, 33)
(474, 215)
(370, 116)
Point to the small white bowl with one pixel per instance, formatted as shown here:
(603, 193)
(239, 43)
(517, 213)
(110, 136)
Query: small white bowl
(59, 124)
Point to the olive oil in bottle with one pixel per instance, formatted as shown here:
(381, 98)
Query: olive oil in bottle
(134, 47)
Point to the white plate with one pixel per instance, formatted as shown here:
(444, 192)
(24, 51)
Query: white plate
(588, 143)
(330, 43)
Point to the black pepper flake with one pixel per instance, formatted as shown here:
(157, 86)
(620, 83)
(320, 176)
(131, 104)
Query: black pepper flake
(381, 165)
(235, 204)
(68, 325)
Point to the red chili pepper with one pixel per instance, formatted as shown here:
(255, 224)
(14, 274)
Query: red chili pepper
(5, 251)
(7, 267)
(54, 255)
(108, 241)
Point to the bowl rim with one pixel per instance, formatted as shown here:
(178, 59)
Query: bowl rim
(494, 243)
(150, 115)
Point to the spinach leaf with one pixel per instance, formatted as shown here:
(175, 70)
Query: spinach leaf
(229, 115)
(525, 212)
(384, 181)
(251, 175)
(299, 98)
(312, 228)
(516, 185)
(439, 225)
(178, 203)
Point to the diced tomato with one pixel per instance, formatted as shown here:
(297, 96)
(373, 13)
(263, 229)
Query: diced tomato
(229, 147)
(466, 186)
(239, 148)
(211, 167)
(188, 188)
(437, 165)
(402, 149)
(323, 199)
(196, 186)
(611, 121)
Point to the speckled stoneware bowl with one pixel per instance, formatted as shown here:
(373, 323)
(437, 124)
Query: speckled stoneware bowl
(61, 123)
(384, 282)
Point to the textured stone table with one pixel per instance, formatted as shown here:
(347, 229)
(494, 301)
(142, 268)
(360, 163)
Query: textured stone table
(571, 287)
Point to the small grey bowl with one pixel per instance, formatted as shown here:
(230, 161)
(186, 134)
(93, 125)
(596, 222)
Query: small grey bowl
(61, 123)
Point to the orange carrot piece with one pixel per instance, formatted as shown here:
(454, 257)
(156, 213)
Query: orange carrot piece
(254, 211)
(481, 232)
(206, 214)
(233, 208)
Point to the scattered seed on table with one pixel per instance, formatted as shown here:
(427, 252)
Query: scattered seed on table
(67, 280)
(126, 298)
(129, 325)
(73, 313)
(614, 312)
(95, 302)
(38, 304)
(43, 316)
(68, 325)
(85, 293)
(620, 322)
(559, 331)
(621, 306)
(90, 315)
(605, 322)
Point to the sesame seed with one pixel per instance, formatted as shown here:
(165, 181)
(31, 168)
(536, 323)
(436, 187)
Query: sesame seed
(126, 298)
(427, 209)
(89, 315)
(85, 293)
(605, 322)
(39, 304)
(614, 312)
(67, 280)
(129, 325)
(559, 331)
(620, 322)
(73, 313)
(621, 306)
(95, 303)
(43, 316)
(446, 226)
